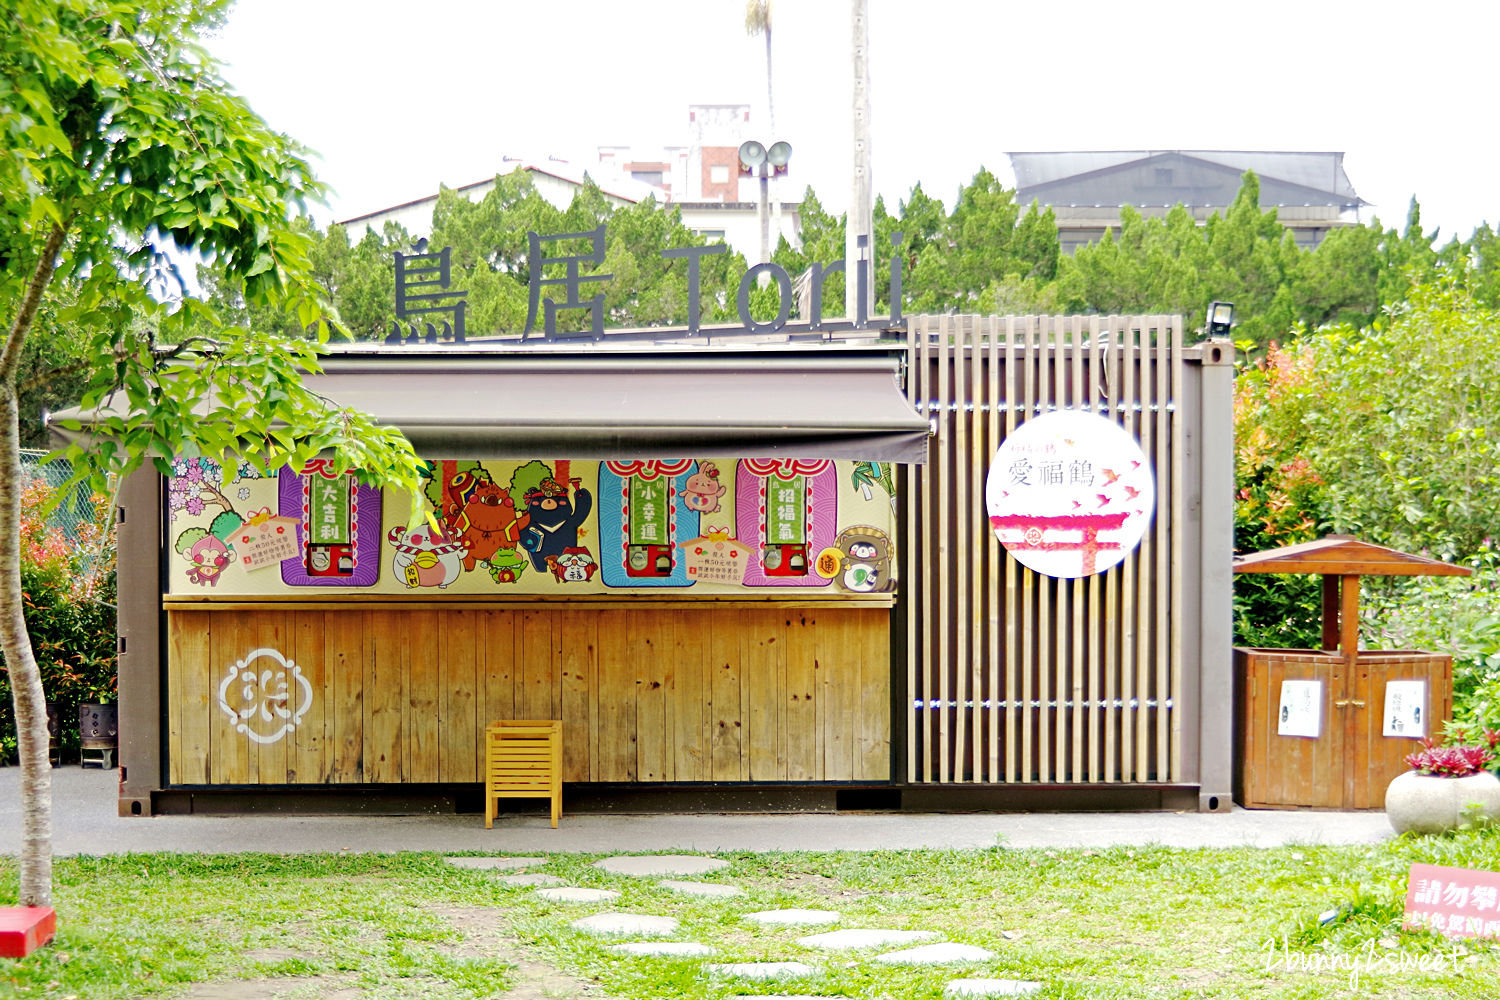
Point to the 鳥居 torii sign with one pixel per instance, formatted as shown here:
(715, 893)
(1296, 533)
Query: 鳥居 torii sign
(423, 279)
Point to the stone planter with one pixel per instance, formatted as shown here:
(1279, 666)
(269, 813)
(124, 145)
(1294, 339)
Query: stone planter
(1435, 803)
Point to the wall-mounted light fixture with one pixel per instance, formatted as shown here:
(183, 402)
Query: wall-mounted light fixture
(1220, 319)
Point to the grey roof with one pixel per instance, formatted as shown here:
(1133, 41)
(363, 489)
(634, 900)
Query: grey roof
(792, 405)
(1319, 171)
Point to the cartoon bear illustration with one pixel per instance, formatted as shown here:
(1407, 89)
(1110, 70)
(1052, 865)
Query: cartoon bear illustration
(553, 520)
(702, 490)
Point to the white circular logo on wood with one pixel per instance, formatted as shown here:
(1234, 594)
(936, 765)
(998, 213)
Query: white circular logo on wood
(1070, 493)
(265, 700)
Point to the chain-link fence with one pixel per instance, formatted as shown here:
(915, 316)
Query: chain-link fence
(73, 511)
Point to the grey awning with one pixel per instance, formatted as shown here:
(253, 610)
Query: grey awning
(667, 407)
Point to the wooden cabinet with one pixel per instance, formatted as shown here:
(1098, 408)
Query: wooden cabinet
(1350, 762)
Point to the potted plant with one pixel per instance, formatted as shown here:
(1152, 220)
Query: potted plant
(1446, 787)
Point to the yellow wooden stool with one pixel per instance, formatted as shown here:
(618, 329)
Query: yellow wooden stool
(522, 760)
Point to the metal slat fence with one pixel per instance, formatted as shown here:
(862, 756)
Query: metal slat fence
(1013, 676)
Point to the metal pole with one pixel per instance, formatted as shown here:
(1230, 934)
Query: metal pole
(765, 216)
(858, 223)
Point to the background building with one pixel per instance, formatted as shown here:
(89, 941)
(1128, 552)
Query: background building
(1310, 191)
(701, 180)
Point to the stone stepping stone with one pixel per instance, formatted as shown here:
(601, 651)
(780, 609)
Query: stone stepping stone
(936, 954)
(530, 879)
(625, 923)
(991, 987)
(688, 949)
(794, 917)
(495, 863)
(760, 970)
(702, 888)
(864, 937)
(660, 864)
(576, 894)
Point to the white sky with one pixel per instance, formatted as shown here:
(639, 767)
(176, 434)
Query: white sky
(398, 97)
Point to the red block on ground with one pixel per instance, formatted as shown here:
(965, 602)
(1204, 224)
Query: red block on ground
(24, 929)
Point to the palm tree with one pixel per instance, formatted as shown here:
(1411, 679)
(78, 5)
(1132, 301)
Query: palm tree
(758, 22)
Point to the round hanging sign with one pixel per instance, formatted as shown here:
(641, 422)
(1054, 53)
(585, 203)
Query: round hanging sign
(1070, 493)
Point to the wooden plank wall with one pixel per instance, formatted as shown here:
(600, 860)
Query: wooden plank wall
(1013, 676)
(750, 693)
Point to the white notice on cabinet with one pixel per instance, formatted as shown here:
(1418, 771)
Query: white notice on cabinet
(1405, 708)
(1301, 708)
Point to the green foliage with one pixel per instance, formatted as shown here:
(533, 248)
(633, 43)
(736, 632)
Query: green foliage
(985, 240)
(1403, 422)
(1386, 432)
(125, 142)
(1396, 422)
(1459, 616)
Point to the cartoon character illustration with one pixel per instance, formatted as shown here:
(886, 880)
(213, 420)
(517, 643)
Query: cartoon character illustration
(425, 557)
(554, 520)
(865, 566)
(207, 550)
(209, 556)
(703, 489)
(457, 492)
(483, 517)
(574, 565)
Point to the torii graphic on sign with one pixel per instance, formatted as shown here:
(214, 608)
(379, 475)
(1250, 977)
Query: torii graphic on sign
(1070, 493)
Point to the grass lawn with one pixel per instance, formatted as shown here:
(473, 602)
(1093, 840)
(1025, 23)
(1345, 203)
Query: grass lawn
(1143, 922)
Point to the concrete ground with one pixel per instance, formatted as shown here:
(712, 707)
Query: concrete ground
(85, 821)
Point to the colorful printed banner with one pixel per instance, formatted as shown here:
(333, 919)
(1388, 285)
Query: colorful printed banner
(650, 511)
(536, 526)
(786, 510)
(328, 514)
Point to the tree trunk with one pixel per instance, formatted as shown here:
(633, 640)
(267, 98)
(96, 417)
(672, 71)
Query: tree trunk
(27, 697)
(859, 218)
(25, 679)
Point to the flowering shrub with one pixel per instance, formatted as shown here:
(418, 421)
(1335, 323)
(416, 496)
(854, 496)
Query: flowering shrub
(68, 586)
(1454, 756)
(1279, 499)
(1452, 762)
